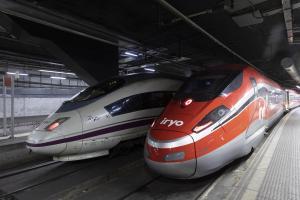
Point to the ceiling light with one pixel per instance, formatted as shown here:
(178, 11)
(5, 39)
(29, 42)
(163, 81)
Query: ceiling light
(149, 69)
(57, 72)
(14, 73)
(130, 54)
(57, 77)
(131, 73)
(297, 86)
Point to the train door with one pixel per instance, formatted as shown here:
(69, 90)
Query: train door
(256, 110)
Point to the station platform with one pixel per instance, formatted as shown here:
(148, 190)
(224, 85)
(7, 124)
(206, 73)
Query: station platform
(270, 173)
(18, 138)
(23, 127)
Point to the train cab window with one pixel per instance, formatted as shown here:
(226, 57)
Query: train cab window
(139, 102)
(156, 99)
(206, 87)
(99, 90)
(235, 84)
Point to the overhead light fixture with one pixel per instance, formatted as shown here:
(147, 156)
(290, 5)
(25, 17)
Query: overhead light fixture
(57, 77)
(57, 72)
(14, 73)
(149, 69)
(297, 86)
(131, 73)
(149, 65)
(130, 54)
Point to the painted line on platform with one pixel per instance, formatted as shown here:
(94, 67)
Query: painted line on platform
(22, 134)
(15, 136)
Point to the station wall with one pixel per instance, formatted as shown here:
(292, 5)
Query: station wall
(31, 102)
(32, 106)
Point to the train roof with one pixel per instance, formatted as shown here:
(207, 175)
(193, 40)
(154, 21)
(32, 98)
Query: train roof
(143, 76)
(221, 69)
(151, 75)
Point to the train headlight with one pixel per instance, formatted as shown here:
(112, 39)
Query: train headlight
(175, 156)
(56, 123)
(211, 118)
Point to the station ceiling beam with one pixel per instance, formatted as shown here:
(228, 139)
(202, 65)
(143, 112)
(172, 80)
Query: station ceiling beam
(62, 22)
(22, 35)
(288, 18)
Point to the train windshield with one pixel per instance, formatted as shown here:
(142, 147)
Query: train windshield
(99, 90)
(204, 88)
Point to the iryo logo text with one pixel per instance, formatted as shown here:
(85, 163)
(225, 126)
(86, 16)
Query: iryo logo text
(170, 122)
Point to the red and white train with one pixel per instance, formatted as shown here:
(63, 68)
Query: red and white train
(214, 119)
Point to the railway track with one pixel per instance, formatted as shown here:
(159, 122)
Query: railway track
(120, 177)
(139, 188)
(142, 184)
(26, 169)
(162, 188)
(53, 171)
(29, 186)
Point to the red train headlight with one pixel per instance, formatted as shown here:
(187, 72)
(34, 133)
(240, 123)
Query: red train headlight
(211, 118)
(56, 123)
(187, 102)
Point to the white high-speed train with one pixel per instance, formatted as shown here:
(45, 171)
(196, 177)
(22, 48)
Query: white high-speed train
(100, 117)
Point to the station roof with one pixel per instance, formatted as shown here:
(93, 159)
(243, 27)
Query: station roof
(262, 32)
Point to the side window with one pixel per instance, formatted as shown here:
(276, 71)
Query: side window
(132, 104)
(139, 102)
(125, 105)
(271, 97)
(274, 97)
(118, 107)
(235, 84)
(156, 99)
(263, 92)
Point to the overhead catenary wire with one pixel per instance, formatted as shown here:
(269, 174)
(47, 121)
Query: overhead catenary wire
(199, 28)
(179, 14)
(113, 38)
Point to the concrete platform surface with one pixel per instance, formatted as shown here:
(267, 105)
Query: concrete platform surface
(271, 173)
(18, 138)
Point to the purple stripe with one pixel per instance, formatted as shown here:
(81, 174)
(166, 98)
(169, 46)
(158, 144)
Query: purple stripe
(94, 133)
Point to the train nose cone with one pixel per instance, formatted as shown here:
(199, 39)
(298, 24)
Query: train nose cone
(172, 159)
(36, 137)
(37, 144)
(54, 142)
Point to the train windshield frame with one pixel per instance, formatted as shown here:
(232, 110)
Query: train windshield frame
(208, 87)
(99, 90)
